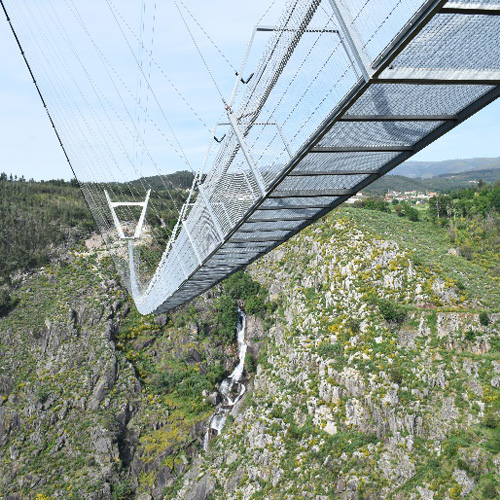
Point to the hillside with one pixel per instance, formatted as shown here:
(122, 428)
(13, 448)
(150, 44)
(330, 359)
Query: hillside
(441, 183)
(436, 168)
(178, 180)
(36, 218)
(373, 372)
(380, 379)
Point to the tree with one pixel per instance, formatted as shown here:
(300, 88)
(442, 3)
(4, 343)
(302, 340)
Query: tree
(484, 319)
(392, 312)
(227, 318)
(404, 209)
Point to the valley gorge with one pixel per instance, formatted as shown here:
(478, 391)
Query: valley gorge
(372, 371)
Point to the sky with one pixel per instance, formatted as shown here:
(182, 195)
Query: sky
(29, 146)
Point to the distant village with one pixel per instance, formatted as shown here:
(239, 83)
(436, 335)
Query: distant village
(415, 197)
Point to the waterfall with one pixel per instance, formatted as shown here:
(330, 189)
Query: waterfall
(231, 389)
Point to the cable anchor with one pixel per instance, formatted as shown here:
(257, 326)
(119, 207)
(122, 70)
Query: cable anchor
(244, 82)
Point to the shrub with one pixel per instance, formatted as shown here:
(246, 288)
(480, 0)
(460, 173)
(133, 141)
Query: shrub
(454, 443)
(470, 335)
(215, 374)
(406, 210)
(255, 305)
(121, 491)
(396, 376)
(490, 490)
(354, 325)
(250, 364)
(484, 319)
(434, 464)
(328, 351)
(7, 302)
(43, 395)
(374, 204)
(466, 252)
(182, 382)
(493, 444)
(185, 315)
(491, 420)
(392, 312)
(240, 285)
(227, 318)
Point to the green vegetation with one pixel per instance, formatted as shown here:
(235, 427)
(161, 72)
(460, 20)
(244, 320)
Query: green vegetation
(373, 379)
(227, 318)
(374, 204)
(432, 245)
(470, 335)
(35, 218)
(406, 210)
(392, 312)
(182, 180)
(239, 287)
(7, 301)
(329, 351)
(484, 319)
(250, 364)
(490, 489)
(491, 420)
(464, 203)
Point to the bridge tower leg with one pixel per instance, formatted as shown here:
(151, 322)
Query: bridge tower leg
(116, 221)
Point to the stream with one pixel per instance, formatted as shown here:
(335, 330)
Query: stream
(231, 389)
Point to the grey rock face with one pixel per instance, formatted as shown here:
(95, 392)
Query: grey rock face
(105, 383)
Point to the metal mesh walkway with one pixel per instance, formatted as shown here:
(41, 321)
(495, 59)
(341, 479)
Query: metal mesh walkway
(377, 83)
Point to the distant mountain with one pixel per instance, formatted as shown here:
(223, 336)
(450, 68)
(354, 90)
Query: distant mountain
(442, 183)
(486, 175)
(429, 169)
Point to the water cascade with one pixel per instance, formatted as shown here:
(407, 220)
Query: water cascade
(231, 389)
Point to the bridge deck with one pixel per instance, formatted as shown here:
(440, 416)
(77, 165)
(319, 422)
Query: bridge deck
(440, 68)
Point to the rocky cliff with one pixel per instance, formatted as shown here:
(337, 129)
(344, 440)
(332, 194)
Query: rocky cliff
(97, 402)
(381, 377)
(377, 374)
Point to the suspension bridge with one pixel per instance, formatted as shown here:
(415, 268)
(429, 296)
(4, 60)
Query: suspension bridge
(343, 92)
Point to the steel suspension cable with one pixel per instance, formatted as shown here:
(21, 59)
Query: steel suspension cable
(150, 54)
(183, 155)
(42, 99)
(106, 134)
(200, 53)
(176, 89)
(107, 64)
(208, 36)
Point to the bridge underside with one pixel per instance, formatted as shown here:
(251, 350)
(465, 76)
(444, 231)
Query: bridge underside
(440, 69)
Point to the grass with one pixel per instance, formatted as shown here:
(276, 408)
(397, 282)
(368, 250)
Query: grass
(429, 245)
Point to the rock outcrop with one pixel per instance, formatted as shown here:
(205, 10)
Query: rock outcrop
(373, 375)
